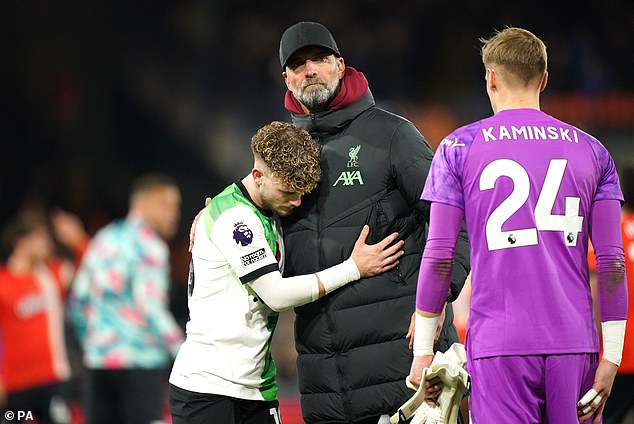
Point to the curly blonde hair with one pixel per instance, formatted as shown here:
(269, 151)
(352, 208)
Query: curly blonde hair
(290, 153)
(520, 52)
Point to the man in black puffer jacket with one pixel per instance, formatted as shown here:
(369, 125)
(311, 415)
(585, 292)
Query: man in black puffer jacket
(352, 346)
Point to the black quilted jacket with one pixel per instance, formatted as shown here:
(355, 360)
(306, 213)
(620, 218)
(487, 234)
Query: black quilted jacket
(353, 355)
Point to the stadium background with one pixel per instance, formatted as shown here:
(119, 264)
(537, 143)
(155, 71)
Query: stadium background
(95, 93)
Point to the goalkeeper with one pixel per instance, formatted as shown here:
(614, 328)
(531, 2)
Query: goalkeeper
(530, 201)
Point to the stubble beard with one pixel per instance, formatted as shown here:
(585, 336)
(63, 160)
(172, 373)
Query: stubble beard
(317, 97)
(271, 205)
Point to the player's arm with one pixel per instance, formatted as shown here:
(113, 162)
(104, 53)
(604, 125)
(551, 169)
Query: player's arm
(461, 264)
(605, 233)
(434, 279)
(605, 219)
(411, 157)
(366, 260)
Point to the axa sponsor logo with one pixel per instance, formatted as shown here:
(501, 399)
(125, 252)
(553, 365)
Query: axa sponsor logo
(348, 178)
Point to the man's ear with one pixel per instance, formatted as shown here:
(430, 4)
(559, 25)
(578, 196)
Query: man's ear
(542, 86)
(491, 79)
(341, 66)
(257, 175)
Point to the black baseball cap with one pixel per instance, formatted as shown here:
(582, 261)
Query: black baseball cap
(304, 34)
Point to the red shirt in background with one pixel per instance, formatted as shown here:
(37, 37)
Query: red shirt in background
(33, 352)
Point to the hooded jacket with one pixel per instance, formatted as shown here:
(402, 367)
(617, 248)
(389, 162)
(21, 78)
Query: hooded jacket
(353, 356)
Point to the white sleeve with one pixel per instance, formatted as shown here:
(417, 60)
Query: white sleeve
(239, 235)
(283, 293)
(280, 293)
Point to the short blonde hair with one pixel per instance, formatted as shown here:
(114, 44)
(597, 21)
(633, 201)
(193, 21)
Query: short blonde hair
(290, 153)
(520, 53)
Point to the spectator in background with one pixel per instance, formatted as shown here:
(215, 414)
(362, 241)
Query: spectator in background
(34, 367)
(375, 164)
(120, 309)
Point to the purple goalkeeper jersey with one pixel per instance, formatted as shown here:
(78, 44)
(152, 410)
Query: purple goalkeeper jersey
(526, 182)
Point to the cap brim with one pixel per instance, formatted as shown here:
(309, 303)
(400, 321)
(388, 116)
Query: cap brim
(326, 47)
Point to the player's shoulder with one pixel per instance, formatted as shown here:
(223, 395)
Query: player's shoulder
(581, 134)
(229, 216)
(600, 152)
(239, 223)
(226, 201)
(462, 136)
(235, 211)
(594, 142)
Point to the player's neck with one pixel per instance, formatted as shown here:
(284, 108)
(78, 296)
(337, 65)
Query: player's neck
(249, 184)
(515, 100)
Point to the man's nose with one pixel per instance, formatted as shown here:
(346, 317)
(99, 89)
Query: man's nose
(296, 202)
(310, 68)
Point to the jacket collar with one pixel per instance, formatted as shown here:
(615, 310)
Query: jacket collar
(332, 121)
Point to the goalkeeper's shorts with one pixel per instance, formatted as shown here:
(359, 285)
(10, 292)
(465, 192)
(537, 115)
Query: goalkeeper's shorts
(529, 389)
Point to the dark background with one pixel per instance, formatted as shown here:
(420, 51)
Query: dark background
(96, 92)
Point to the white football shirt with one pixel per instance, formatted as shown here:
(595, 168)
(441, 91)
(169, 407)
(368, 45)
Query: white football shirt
(228, 346)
